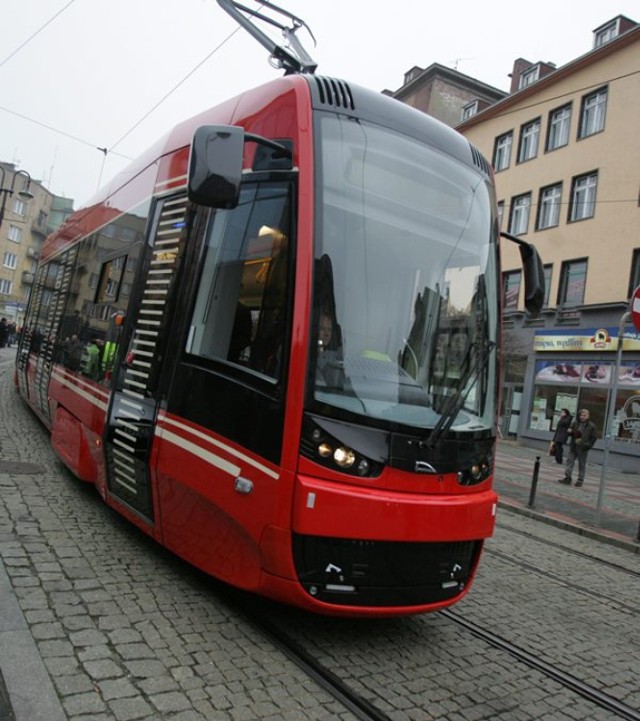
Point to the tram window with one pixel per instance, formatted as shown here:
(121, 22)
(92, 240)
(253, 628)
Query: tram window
(240, 312)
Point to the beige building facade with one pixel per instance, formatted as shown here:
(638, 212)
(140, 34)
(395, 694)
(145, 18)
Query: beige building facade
(565, 149)
(26, 221)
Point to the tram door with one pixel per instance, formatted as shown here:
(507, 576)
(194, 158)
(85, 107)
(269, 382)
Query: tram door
(140, 358)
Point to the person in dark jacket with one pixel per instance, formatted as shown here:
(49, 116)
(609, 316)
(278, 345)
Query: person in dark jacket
(583, 434)
(561, 436)
(4, 332)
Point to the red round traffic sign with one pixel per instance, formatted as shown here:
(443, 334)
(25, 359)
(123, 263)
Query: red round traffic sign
(635, 308)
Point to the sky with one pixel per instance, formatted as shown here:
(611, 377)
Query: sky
(79, 75)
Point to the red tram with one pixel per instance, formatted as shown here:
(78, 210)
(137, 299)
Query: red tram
(272, 344)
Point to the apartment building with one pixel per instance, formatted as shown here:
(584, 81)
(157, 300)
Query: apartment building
(445, 93)
(565, 148)
(29, 212)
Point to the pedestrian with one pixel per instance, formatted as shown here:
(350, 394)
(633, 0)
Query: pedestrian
(561, 436)
(582, 434)
(4, 332)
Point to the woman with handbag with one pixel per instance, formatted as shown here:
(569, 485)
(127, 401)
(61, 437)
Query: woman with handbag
(561, 436)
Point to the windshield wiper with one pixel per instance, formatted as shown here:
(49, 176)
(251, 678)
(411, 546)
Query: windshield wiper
(474, 370)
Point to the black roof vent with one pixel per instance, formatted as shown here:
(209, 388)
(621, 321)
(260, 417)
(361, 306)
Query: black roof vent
(480, 161)
(335, 93)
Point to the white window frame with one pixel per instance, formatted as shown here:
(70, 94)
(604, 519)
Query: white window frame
(19, 207)
(593, 113)
(584, 189)
(469, 110)
(529, 140)
(15, 233)
(520, 209)
(549, 206)
(502, 153)
(10, 260)
(529, 76)
(559, 127)
(607, 33)
(6, 286)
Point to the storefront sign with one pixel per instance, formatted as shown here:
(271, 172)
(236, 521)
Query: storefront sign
(585, 339)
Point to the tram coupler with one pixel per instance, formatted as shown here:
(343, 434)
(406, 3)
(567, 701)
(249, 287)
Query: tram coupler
(534, 482)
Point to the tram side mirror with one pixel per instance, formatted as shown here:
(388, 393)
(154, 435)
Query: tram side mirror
(534, 283)
(215, 166)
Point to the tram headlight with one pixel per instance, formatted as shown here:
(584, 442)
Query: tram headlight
(478, 470)
(323, 448)
(344, 457)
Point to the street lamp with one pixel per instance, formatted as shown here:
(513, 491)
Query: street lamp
(25, 193)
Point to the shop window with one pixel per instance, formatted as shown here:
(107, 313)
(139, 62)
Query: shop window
(587, 385)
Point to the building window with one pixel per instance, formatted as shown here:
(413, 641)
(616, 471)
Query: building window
(502, 152)
(469, 110)
(559, 123)
(583, 197)
(634, 276)
(500, 213)
(5, 286)
(549, 206)
(511, 289)
(573, 279)
(19, 207)
(520, 206)
(15, 233)
(606, 33)
(547, 284)
(594, 109)
(10, 260)
(529, 135)
(529, 76)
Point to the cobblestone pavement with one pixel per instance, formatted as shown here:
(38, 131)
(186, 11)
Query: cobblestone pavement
(98, 623)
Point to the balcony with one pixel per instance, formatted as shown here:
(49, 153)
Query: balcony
(27, 278)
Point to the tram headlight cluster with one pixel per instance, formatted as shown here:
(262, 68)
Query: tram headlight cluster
(323, 448)
(477, 471)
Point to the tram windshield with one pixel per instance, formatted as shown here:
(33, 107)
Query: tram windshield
(405, 283)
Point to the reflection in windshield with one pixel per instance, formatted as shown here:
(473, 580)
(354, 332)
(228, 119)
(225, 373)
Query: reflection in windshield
(405, 310)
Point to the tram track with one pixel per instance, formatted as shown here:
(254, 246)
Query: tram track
(569, 550)
(584, 690)
(365, 710)
(558, 579)
(359, 706)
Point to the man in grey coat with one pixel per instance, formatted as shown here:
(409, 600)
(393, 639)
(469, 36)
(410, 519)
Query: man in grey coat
(582, 436)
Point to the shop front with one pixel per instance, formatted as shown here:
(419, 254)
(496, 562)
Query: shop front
(577, 368)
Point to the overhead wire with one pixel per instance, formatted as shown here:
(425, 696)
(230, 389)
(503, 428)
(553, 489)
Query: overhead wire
(173, 89)
(33, 35)
(111, 150)
(58, 131)
(260, 3)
